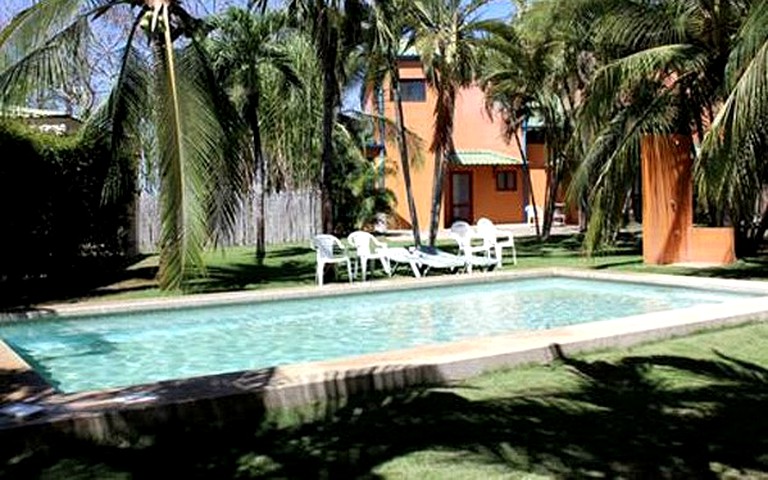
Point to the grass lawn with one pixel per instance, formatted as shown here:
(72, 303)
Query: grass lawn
(291, 265)
(690, 407)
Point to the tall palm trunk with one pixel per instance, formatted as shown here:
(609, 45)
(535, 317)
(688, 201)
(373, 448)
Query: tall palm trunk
(404, 160)
(437, 196)
(553, 184)
(527, 180)
(328, 59)
(261, 180)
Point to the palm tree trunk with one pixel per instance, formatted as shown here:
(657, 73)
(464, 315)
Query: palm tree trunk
(527, 179)
(404, 160)
(258, 155)
(328, 60)
(554, 179)
(437, 196)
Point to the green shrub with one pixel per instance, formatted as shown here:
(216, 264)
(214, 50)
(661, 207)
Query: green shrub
(51, 209)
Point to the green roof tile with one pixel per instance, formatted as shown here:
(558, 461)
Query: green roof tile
(469, 158)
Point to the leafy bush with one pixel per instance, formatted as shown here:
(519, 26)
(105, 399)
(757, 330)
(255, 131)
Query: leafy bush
(51, 209)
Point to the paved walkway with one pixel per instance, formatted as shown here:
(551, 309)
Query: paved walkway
(517, 229)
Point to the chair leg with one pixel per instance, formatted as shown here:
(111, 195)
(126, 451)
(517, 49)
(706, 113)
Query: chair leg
(499, 253)
(349, 271)
(319, 274)
(364, 263)
(386, 265)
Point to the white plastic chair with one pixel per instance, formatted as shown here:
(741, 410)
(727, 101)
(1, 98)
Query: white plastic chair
(368, 248)
(463, 233)
(330, 250)
(497, 239)
(531, 214)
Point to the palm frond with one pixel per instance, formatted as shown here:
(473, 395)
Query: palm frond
(186, 136)
(45, 66)
(731, 165)
(121, 117)
(665, 63)
(612, 162)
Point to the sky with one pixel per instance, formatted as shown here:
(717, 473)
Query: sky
(109, 40)
(8, 8)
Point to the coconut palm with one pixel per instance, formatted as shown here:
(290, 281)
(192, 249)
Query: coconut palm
(388, 28)
(665, 71)
(167, 85)
(445, 36)
(293, 147)
(244, 46)
(732, 165)
(335, 27)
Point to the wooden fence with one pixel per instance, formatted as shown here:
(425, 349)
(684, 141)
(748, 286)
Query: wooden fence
(290, 217)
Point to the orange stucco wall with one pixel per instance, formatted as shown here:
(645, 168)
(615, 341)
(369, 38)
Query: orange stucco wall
(667, 198)
(418, 117)
(474, 129)
(500, 206)
(712, 245)
(668, 232)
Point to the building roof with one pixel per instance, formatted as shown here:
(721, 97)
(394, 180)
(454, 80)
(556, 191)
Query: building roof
(24, 112)
(471, 158)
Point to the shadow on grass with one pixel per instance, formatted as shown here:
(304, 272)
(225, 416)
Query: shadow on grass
(566, 246)
(745, 269)
(88, 279)
(243, 275)
(624, 420)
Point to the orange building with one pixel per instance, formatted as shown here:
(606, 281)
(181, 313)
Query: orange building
(484, 178)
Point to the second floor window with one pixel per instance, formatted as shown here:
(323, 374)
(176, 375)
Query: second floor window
(413, 90)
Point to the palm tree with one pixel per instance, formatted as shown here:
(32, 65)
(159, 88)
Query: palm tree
(445, 38)
(665, 70)
(732, 166)
(247, 44)
(387, 31)
(172, 89)
(335, 26)
(512, 81)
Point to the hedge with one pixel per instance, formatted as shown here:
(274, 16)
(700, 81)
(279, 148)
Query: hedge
(52, 214)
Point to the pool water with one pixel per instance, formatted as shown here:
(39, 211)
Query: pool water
(89, 353)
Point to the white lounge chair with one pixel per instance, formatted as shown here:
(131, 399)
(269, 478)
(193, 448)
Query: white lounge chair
(368, 248)
(329, 250)
(497, 239)
(465, 236)
(429, 258)
(398, 255)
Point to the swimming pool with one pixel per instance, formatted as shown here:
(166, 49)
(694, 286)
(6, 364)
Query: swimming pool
(97, 352)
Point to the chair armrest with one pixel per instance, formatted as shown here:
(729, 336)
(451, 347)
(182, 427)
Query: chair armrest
(504, 236)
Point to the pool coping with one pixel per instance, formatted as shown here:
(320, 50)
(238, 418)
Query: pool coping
(92, 413)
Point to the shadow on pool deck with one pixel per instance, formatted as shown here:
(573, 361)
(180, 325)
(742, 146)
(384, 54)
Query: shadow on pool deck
(620, 421)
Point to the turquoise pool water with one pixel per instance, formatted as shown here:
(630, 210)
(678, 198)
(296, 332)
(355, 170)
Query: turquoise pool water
(89, 353)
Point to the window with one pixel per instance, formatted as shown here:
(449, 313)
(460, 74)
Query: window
(506, 181)
(412, 90)
(534, 135)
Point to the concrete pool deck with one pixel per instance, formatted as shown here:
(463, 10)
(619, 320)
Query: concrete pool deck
(229, 397)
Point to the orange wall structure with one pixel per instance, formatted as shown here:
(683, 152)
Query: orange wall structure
(668, 232)
(474, 130)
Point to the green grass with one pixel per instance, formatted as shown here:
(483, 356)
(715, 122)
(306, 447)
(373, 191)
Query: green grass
(691, 407)
(292, 265)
